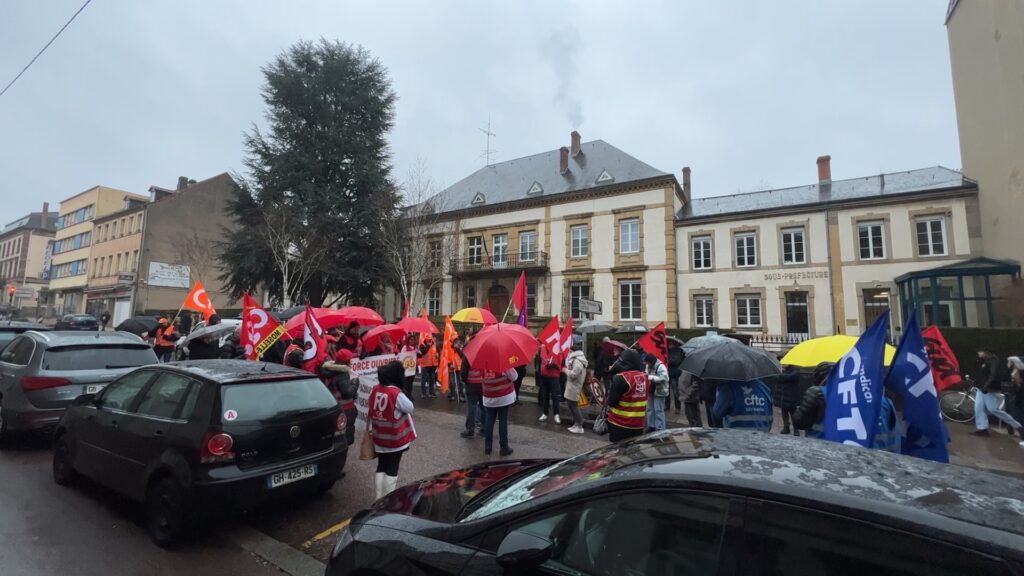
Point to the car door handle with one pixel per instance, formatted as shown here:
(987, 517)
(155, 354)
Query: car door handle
(113, 424)
(158, 433)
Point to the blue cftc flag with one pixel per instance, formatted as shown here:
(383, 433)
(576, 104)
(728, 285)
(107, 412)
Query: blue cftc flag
(924, 432)
(853, 391)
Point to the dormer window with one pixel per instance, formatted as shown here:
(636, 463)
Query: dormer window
(535, 189)
(604, 177)
(479, 199)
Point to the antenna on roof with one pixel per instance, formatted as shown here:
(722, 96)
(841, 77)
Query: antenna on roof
(488, 152)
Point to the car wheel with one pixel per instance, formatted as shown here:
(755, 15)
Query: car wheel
(63, 472)
(166, 515)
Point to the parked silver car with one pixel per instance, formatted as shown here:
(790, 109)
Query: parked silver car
(42, 372)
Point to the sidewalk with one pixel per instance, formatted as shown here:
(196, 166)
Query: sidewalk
(998, 453)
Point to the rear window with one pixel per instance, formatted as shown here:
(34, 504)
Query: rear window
(6, 337)
(98, 357)
(84, 318)
(256, 401)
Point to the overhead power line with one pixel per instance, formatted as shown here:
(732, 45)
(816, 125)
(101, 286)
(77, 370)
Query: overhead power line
(40, 53)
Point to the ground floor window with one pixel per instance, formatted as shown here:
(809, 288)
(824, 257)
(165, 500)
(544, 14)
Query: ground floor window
(748, 311)
(876, 301)
(577, 290)
(797, 320)
(434, 302)
(629, 300)
(531, 297)
(470, 296)
(704, 311)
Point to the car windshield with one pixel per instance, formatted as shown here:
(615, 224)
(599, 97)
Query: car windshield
(6, 337)
(256, 401)
(98, 357)
(83, 318)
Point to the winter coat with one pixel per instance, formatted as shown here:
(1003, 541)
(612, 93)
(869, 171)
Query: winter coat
(786, 388)
(811, 409)
(205, 348)
(675, 362)
(232, 350)
(708, 391)
(690, 387)
(341, 379)
(576, 374)
(988, 375)
(657, 375)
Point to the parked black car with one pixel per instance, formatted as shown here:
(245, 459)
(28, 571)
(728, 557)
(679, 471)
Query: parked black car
(11, 328)
(696, 501)
(77, 322)
(191, 437)
(42, 372)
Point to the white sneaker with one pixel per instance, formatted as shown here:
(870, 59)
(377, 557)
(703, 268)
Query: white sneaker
(576, 429)
(543, 418)
(557, 419)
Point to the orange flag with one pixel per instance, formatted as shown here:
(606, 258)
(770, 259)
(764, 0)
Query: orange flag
(424, 335)
(446, 354)
(199, 301)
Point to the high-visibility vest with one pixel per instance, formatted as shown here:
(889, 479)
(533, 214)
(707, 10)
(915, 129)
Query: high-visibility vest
(162, 340)
(752, 405)
(887, 437)
(429, 359)
(632, 406)
(495, 384)
(388, 432)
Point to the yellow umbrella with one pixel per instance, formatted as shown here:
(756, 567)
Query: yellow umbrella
(474, 315)
(810, 353)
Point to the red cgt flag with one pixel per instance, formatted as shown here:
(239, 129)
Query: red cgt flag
(550, 338)
(566, 340)
(314, 342)
(654, 342)
(259, 329)
(199, 301)
(945, 368)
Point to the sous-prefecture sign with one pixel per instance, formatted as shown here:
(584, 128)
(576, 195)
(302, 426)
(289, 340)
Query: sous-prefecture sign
(168, 275)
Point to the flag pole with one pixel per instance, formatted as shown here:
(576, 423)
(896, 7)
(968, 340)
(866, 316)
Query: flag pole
(507, 308)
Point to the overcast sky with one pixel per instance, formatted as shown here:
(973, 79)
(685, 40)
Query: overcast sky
(746, 93)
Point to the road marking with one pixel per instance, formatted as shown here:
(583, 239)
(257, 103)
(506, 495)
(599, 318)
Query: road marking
(332, 530)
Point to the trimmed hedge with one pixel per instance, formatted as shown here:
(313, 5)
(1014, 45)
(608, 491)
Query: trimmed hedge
(965, 343)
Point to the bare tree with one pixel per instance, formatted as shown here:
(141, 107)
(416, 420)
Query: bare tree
(296, 256)
(420, 239)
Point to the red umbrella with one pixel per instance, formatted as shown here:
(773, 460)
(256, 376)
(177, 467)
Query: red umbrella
(501, 346)
(361, 315)
(613, 347)
(327, 318)
(372, 336)
(420, 325)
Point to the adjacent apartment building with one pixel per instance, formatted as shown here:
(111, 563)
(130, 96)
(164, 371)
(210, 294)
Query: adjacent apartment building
(114, 261)
(986, 48)
(69, 266)
(23, 248)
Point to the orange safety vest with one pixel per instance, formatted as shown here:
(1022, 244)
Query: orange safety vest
(388, 432)
(632, 406)
(430, 359)
(495, 384)
(161, 338)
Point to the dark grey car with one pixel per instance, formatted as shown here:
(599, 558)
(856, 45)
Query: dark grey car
(42, 372)
(9, 330)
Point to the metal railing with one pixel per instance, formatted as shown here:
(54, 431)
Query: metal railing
(513, 261)
(778, 342)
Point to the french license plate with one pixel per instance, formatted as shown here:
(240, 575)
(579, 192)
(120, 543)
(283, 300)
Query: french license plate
(289, 476)
(94, 388)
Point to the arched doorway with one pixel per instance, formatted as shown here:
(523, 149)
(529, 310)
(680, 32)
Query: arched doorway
(497, 299)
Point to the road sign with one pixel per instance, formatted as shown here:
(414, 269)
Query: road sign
(590, 306)
(26, 293)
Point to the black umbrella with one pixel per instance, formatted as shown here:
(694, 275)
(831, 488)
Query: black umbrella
(137, 324)
(731, 360)
(286, 315)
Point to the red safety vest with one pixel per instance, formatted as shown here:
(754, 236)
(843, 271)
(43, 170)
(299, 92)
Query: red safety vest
(388, 431)
(429, 359)
(632, 406)
(495, 384)
(545, 359)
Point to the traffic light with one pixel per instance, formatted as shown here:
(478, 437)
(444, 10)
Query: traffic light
(10, 293)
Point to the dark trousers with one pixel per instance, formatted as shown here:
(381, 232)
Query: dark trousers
(674, 393)
(549, 394)
(428, 376)
(787, 419)
(693, 414)
(519, 384)
(712, 421)
(350, 424)
(387, 462)
(615, 433)
(490, 415)
(407, 385)
(474, 409)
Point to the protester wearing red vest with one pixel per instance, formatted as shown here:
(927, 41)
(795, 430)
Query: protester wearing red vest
(549, 386)
(499, 392)
(627, 397)
(390, 414)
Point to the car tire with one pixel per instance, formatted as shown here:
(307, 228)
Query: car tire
(166, 513)
(64, 472)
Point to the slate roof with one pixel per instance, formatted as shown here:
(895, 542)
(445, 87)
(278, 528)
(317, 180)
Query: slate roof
(935, 179)
(33, 221)
(513, 180)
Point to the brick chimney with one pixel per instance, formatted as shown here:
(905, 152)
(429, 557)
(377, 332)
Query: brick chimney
(46, 211)
(824, 169)
(575, 136)
(686, 183)
(182, 183)
(563, 160)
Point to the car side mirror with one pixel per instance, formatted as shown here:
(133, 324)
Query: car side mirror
(523, 551)
(85, 400)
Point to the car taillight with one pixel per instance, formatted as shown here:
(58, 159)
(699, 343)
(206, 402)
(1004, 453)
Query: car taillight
(42, 382)
(342, 422)
(216, 448)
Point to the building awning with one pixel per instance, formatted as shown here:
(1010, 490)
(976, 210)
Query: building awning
(973, 267)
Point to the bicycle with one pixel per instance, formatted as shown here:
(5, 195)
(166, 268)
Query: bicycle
(958, 405)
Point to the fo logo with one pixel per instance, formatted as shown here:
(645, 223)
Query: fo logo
(513, 359)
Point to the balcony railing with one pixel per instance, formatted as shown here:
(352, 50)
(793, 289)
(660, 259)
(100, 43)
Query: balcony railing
(489, 263)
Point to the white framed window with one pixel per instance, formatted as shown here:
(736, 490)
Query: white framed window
(746, 249)
(629, 236)
(871, 237)
(580, 237)
(434, 257)
(499, 244)
(531, 297)
(748, 311)
(931, 236)
(476, 250)
(434, 302)
(577, 290)
(704, 311)
(470, 296)
(793, 246)
(527, 246)
(629, 300)
(700, 247)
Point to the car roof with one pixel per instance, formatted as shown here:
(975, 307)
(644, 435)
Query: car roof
(80, 338)
(825, 471)
(19, 326)
(228, 371)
